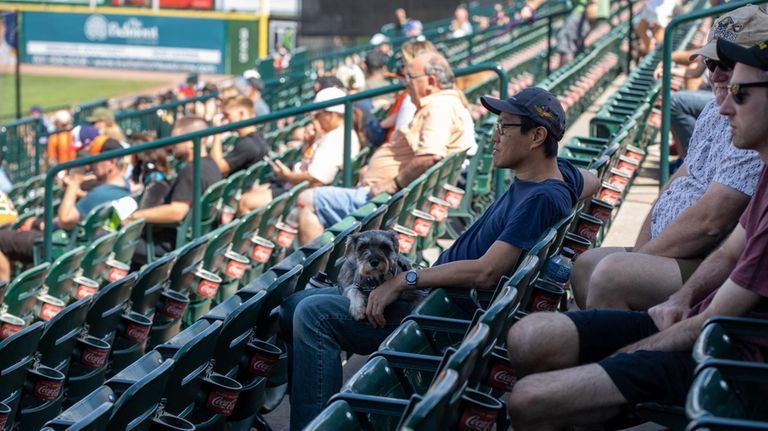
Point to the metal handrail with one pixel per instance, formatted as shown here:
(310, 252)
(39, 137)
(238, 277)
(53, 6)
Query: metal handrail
(197, 137)
(667, 74)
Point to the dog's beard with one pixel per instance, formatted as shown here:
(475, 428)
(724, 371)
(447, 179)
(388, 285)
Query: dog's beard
(378, 272)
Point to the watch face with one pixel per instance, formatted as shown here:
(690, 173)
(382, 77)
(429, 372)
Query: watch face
(410, 277)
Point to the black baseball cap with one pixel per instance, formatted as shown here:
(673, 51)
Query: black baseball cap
(755, 56)
(536, 103)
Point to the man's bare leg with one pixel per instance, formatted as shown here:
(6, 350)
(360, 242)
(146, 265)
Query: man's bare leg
(633, 281)
(309, 224)
(257, 197)
(5, 268)
(584, 267)
(543, 342)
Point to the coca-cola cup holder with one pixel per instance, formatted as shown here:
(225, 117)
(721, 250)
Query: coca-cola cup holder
(478, 411)
(48, 306)
(545, 296)
(44, 383)
(171, 306)
(206, 283)
(5, 412)
(406, 238)
(261, 249)
(91, 352)
(115, 270)
(285, 234)
(218, 394)
(261, 358)
(9, 325)
(236, 265)
(168, 422)
(134, 327)
(501, 375)
(85, 287)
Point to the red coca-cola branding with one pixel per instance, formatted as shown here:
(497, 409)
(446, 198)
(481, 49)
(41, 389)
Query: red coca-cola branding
(634, 155)
(439, 212)
(3, 420)
(221, 402)
(477, 419)
(544, 302)
(173, 309)
(502, 376)
(47, 311)
(94, 357)
(207, 288)
(618, 181)
(116, 274)
(609, 196)
(453, 198)
(600, 212)
(83, 291)
(235, 269)
(261, 254)
(626, 166)
(46, 389)
(588, 230)
(285, 239)
(261, 365)
(421, 226)
(227, 215)
(405, 242)
(577, 247)
(7, 329)
(136, 332)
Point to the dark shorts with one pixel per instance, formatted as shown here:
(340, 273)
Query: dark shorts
(19, 246)
(640, 376)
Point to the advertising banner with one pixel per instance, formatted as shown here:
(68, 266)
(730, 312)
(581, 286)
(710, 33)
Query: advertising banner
(241, 45)
(8, 43)
(162, 43)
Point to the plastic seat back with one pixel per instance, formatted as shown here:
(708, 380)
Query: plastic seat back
(150, 283)
(249, 226)
(127, 238)
(235, 332)
(90, 413)
(16, 355)
(107, 307)
(60, 334)
(209, 212)
(232, 189)
(341, 231)
(23, 289)
(219, 242)
(394, 208)
(283, 287)
(435, 410)
(188, 258)
(137, 405)
(93, 223)
(318, 253)
(96, 255)
(338, 416)
(59, 279)
(271, 215)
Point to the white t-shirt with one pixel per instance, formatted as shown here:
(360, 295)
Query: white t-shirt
(328, 156)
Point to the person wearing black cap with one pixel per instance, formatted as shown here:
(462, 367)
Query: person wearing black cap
(18, 245)
(622, 358)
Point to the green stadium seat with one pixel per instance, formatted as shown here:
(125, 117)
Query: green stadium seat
(61, 332)
(17, 353)
(338, 416)
(435, 409)
(231, 194)
(22, 292)
(341, 231)
(716, 340)
(729, 389)
(96, 255)
(127, 239)
(318, 253)
(214, 260)
(60, 278)
(92, 413)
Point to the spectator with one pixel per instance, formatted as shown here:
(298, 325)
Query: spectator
(60, 141)
(254, 87)
(376, 68)
(581, 21)
(381, 44)
(654, 17)
(250, 148)
(18, 245)
(317, 321)
(152, 173)
(414, 28)
(104, 119)
(164, 219)
(699, 205)
(499, 17)
(437, 129)
(621, 358)
(323, 160)
(401, 21)
(460, 25)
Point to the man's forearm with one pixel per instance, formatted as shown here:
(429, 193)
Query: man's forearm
(680, 337)
(414, 168)
(161, 214)
(710, 275)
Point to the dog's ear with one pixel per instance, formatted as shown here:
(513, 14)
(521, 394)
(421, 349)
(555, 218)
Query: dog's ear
(395, 242)
(351, 246)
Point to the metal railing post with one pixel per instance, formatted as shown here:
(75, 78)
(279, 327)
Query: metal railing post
(503, 94)
(549, 44)
(667, 75)
(630, 30)
(197, 215)
(348, 122)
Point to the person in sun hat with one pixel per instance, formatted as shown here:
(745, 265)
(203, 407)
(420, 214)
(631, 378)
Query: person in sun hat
(621, 358)
(699, 206)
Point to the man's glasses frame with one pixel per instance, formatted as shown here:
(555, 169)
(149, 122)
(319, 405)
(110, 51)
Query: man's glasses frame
(739, 96)
(501, 126)
(711, 64)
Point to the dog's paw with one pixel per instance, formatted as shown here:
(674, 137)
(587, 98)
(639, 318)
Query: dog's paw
(356, 304)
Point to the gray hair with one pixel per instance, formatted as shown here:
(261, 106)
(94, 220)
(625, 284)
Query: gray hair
(438, 67)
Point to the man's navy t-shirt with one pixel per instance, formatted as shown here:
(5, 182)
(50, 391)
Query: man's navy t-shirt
(520, 216)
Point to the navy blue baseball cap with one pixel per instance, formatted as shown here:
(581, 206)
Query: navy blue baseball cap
(536, 103)
(755, 56)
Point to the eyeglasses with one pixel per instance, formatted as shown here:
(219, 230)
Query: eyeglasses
(739, 96)
(408, 77)
(501, 126)
(712, 64)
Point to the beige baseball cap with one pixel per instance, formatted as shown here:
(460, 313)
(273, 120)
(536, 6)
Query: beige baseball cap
(744, 26)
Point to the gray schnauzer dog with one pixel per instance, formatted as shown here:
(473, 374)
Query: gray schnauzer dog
(372, 258)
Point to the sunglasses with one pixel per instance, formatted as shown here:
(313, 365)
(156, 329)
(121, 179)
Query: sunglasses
(501, 126)
(713, 64)
(740, 96)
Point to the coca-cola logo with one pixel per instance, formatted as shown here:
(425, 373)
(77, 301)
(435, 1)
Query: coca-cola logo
(588, 231)
(261, 366)
(542, 302)
(173, 309)
(222, 402)
(47, 311)
(502, 376)
(421, 226)
(3, 420)
(137, 332)
(453, 198)
(618, 181)
(285, 239)
(47, 390)
(261, 254)
(8, 329)
(83, 291)
(207, 288)
(235, 269)
(116, 274)
(94, 357)
(601, 213)
(405, 243)
(626, 167)
(477, 420)
(609, 196)
(439, 212)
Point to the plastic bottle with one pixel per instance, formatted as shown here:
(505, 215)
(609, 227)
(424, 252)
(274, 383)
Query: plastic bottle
(292, 219)
(558, 268)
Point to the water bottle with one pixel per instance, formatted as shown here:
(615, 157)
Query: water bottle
(558, 268)
(292, 219)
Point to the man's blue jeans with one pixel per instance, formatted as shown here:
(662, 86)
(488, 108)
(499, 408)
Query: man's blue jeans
(317, 326)
(684, 108)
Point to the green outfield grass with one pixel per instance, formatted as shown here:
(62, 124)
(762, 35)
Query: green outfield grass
(56, 91)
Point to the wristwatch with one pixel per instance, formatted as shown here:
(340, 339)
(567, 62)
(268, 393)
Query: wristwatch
(411, 277)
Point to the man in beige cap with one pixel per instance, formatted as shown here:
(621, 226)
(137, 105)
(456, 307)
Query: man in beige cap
(698, 207)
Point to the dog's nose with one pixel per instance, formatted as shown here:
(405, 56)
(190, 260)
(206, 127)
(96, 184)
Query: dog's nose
(374, 263)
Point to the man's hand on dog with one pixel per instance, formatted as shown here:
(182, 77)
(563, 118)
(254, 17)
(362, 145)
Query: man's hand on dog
(381, 297)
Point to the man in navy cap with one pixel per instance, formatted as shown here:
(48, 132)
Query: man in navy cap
(545, 190)
(584, 368)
